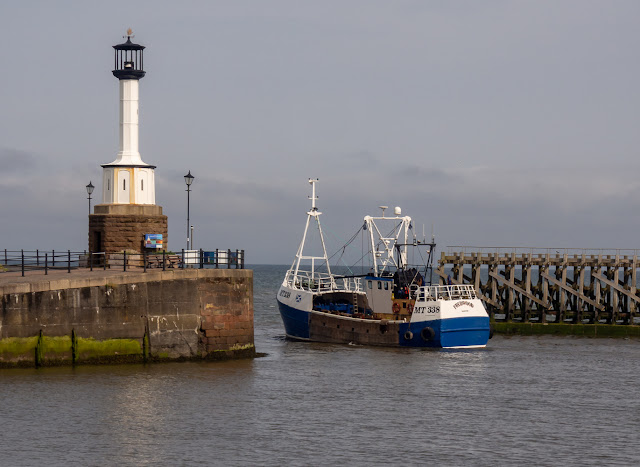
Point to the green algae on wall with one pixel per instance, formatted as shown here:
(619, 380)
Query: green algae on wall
(15, 347)
(56, 345)
(36, 350)
(91, 348)
(42, 350)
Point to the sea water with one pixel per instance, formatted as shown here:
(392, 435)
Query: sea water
(521, 401)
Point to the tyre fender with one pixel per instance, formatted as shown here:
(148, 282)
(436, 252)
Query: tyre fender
(427, 334)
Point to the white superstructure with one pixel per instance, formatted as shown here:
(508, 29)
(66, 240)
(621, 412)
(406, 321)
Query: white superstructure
(388, 246)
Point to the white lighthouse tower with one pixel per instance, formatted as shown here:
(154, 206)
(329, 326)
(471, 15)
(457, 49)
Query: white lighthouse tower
(128, 213)
(128, 180)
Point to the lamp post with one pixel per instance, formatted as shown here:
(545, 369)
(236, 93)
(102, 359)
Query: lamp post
(90, 188)
(188, 179)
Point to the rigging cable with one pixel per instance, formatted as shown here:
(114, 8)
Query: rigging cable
(343, 248)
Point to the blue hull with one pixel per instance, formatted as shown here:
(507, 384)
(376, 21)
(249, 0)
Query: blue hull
(452, 332)
(296, 322)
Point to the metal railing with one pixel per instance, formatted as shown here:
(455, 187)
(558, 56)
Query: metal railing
(541, 251)
(39, 260)
(317, 281)
(446, 292)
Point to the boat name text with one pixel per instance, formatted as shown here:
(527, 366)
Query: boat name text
(461, 303)
(285, 294)
(426, 309)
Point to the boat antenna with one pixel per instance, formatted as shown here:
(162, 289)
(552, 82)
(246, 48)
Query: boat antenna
(313, 196)
(383, 208)
(432, 254)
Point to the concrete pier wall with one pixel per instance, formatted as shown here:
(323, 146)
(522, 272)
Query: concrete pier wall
(135, 316)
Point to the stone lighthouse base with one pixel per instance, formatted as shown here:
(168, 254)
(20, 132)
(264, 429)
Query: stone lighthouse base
(114, 228)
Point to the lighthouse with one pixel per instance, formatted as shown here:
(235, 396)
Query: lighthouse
(128, 180)
(128, 211)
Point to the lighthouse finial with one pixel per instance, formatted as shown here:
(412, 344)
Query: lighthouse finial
(129, 32)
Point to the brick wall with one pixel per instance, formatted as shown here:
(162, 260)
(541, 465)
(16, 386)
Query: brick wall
(120, 228)
(227, 314)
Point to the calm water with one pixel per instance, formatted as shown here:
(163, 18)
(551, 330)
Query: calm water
(524, 400)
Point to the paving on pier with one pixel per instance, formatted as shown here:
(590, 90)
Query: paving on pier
(58, 279)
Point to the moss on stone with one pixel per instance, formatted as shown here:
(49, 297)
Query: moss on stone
(56, 345)
(53, 351)
(74, 346)
(145, 345)
(18, 346)
(91, 348)
(241, 347)
(39, 354)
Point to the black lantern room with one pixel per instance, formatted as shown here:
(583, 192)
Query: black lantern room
(128, 60)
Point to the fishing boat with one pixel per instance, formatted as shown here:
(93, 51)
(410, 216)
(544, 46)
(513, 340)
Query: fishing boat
(393, 304)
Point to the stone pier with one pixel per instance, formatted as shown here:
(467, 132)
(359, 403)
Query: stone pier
(115, 316)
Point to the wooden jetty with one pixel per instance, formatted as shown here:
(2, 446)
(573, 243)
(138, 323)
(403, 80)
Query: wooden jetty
(548, 285)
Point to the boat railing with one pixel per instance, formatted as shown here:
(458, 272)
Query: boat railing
(352, 284)
(446, 292)
(320, 282)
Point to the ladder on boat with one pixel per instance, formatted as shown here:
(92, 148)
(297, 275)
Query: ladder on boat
(354, 299)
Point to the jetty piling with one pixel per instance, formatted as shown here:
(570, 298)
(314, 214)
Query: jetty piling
(548, 285)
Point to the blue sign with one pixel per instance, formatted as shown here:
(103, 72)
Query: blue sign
(153, 241)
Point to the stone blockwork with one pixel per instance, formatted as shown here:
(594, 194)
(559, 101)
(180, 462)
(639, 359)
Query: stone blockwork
(115, 228)
(225, 322)
(181, 314)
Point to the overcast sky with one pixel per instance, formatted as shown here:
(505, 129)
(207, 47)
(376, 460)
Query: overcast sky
(502, 123)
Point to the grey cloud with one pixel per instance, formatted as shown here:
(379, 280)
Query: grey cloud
(424, 173)
(15, 161)
(362, 157)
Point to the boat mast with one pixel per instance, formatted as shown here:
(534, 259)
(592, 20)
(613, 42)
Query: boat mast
(300, 254)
